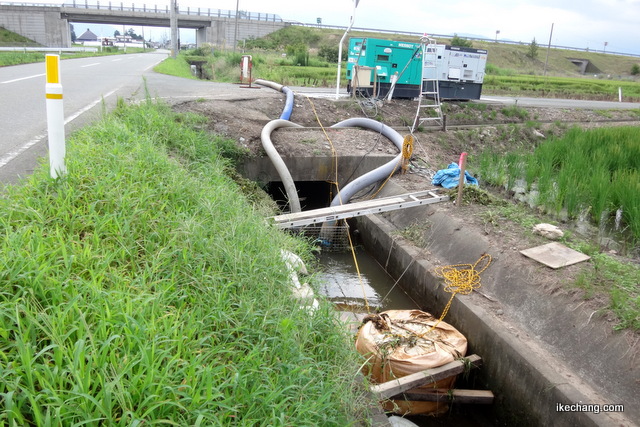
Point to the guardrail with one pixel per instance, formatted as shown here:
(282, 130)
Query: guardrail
(48, 49)
(447, 36)
(120, 6)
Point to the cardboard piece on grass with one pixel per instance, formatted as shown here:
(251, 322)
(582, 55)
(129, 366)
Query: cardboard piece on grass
(555, 255)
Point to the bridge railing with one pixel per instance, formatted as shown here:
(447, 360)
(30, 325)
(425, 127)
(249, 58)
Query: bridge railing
(121, 6)
(218, 13)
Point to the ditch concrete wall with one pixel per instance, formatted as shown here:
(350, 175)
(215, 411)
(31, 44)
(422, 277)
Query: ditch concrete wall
(538, 351)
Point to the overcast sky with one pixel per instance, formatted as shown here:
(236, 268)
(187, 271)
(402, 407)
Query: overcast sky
(576, 23)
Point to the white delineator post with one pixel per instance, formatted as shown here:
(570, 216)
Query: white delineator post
(55, 118)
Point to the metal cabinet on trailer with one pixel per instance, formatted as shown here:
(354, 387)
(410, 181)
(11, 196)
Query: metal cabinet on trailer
(460, 71)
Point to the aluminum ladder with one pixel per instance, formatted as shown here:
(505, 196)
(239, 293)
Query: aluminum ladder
(367, 207)
(429, 106)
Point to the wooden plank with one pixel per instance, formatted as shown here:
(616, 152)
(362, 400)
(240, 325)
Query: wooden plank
(483, 397)
(428, 376)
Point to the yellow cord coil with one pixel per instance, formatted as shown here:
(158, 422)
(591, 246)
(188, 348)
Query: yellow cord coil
(407, 147)
(460, 279)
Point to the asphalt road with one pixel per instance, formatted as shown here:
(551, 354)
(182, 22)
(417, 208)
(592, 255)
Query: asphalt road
(88, 84)
(91, 85)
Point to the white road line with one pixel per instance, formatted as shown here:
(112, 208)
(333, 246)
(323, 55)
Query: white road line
(15, 153)
(152, 65)
(90, 65)
(116, 60)
(23, 78)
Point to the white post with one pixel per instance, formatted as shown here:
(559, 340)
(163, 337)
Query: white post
(355, 5)
(619, 94)
(55, 118)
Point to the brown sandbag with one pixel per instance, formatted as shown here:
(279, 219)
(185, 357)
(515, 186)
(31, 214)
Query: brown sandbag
(399, 343)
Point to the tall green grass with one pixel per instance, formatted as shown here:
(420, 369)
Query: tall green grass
(175, 67)
(143, 288)
(596, 170)
(16, 58)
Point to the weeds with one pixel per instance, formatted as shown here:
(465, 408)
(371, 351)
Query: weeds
(141, 288)
(416, 233)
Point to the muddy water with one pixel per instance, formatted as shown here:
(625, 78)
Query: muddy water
(374, 288)
(342, 285)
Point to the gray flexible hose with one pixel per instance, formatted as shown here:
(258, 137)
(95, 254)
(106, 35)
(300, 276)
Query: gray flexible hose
(375, 175)
(278, 163)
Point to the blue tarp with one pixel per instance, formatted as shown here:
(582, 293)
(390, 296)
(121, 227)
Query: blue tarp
(448, 178)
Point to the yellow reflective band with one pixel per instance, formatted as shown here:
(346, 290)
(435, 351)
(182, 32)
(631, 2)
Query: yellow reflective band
(53, 71)
(54, 96)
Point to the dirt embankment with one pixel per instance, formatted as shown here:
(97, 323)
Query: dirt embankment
(471, 128)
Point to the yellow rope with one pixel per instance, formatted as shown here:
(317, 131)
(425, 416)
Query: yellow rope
(459, 279)
(407, 151)
(334, 156)
(407, 147)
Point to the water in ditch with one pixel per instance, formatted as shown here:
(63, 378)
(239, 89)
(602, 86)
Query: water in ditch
(374, 290)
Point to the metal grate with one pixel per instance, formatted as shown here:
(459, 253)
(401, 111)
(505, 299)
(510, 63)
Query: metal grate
(333, 238)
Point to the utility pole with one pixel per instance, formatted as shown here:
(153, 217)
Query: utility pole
(173, 18)
(355, 5)
(235, 34)
(548, 49)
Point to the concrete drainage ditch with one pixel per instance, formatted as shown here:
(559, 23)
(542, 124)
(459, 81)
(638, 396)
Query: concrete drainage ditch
(526, 341)
(543, 368)
(544, 359)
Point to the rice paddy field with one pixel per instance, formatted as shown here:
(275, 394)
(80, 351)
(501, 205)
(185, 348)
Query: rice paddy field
(591, 175)
(562, 87)
(594, 173)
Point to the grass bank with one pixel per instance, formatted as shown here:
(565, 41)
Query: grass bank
(145, 288)
(590, 174)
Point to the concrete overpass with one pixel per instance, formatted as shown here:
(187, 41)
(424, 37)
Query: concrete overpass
(48, 24)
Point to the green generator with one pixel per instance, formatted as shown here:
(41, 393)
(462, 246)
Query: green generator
(373, 64)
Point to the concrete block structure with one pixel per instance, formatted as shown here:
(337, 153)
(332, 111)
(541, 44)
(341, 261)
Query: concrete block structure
(49, 25)
(42, 24)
